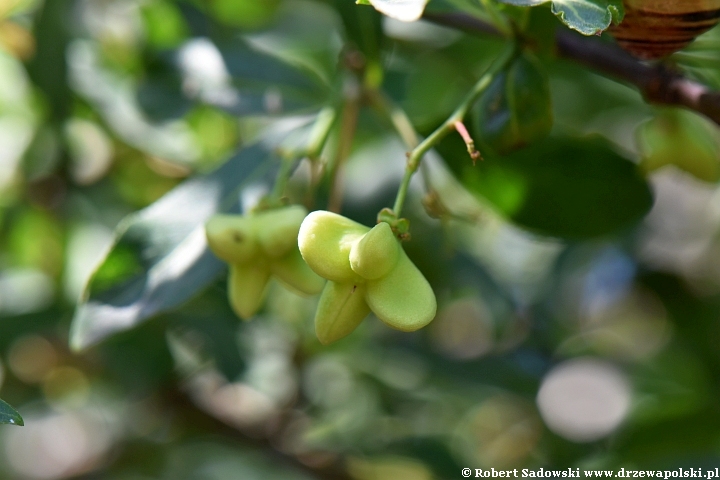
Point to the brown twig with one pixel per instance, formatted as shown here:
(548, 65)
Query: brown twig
(656, 83)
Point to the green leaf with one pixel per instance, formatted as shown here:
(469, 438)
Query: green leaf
(403, 10)
(563, 187)
(9, 415)
(160, 257)
(681, 138)
(589, 17)
(516, 109)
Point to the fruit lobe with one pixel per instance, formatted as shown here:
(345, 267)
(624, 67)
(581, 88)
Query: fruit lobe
(277, 230)
(403, 299)
(325, 240)
(232, 238)
(340, 310)
(376, 253)
(294, 273)
(247, 287)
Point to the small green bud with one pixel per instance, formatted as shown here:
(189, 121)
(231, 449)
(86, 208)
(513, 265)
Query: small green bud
(403, 226)
(376, 253)
(340, 310)
(387, 215)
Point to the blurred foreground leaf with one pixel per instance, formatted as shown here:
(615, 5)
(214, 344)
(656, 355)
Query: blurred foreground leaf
(9, 415)
(572, 188)
(160, 257)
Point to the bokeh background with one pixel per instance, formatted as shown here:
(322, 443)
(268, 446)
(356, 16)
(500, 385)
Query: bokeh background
(590, 342)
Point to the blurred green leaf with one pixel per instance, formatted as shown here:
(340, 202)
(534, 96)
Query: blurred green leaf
(9, 415)
(681, 138)
(516, 109)
(562, 187)
(160, 257)
(589, 17)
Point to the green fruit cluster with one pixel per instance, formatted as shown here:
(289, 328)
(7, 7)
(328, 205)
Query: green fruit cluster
(367, 271)
(257, 246)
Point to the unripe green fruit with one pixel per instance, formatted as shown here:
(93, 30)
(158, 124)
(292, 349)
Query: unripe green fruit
(403, 299)
(368, 271)
(340, 310)
(325, 240)
(295, 273)
(376, 253)
(232, 238)
(257, 246)
(277, 230)
(246, 287)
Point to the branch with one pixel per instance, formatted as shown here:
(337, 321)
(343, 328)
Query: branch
(656, 83)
